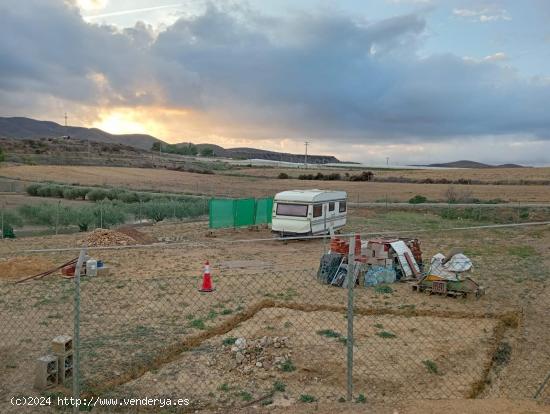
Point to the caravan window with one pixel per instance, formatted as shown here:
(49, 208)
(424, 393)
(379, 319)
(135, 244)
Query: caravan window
(331, 206)
(294, 210)
(317, 210)
(342, 206)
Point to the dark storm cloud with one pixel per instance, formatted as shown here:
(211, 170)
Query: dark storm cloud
(328, 75)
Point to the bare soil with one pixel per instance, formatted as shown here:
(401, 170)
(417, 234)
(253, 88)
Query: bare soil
(319, 361)
(147, 315)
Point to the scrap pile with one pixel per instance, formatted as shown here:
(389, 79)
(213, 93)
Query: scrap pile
(387, 260)
(104, 238)
(448, 276)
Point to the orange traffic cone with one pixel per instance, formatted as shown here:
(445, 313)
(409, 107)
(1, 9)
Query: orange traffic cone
(206, 279)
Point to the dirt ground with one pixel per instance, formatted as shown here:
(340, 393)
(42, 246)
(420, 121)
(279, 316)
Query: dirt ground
(138, 321)
(248, 186)
(319, 361)
(17, 267)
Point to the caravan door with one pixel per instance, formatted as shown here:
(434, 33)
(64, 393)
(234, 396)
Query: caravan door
(330, 214)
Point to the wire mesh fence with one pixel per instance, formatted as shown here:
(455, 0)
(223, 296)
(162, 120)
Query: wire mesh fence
(273, 334)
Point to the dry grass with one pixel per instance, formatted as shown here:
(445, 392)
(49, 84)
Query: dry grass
(247, 186)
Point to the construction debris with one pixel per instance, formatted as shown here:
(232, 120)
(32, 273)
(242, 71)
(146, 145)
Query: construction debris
(447, 276)
(104, 238)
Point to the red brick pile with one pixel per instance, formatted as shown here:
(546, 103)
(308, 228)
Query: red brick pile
(341, 246)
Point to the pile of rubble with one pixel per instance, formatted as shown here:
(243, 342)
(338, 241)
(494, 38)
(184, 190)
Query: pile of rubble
(267, 353)
(103, 238)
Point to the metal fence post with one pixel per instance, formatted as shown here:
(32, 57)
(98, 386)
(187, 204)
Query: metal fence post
(57, 217)
(351, 283)
(76, 333)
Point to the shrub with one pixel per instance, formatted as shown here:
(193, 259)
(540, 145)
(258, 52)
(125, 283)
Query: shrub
(383, 289)
(50, 191)
(288, 366)
(418, 199)
(329, 333)
(71, 193)
(207, 152)
(431, 366)
(97, 195)
(128, 197)
(283, 176)
(364, 176)
(279, 386)
(8, 232)
(386, 334)
(32, 189)
(2, 157)
(306, 398)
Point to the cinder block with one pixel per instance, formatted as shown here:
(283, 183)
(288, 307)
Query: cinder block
(65, 367)
(62, 345)
(46, 374)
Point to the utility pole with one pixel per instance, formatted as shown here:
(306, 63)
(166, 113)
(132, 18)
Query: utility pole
(305, 159)
(388, 161)
(66, 125)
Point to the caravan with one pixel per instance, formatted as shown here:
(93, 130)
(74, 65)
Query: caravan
(308, 212)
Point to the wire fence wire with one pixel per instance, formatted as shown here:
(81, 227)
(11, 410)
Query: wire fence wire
(275, 336)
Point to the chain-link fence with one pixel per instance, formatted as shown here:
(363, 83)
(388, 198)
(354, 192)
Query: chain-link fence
(281, 334)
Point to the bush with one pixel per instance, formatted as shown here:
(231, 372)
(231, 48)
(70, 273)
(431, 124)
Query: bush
(207, 152)
(2, 157)
(418, 199)
(97, 195)
(70, 193)
(283, 176)
(364, 176)
(8, 230)
(128, 197)
(32, 189)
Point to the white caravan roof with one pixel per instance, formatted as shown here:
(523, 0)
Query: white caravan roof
(310, 196)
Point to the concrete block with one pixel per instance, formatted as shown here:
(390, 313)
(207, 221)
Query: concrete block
(65, 367)
(46, 372)
(62, 345)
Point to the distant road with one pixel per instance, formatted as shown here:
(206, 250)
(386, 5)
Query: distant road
(446, 205)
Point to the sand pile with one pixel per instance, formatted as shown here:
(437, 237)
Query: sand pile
(20, 267)
(103, 238)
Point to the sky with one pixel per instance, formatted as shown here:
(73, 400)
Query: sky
(418, 81)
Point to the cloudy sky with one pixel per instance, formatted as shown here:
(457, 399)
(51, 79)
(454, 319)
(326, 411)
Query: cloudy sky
(413, 80)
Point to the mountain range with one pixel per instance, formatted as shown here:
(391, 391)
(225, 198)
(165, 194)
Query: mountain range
(27, 128)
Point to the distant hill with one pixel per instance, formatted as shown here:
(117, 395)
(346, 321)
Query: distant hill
(471, 164)
(27, 128)
(254, 153)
